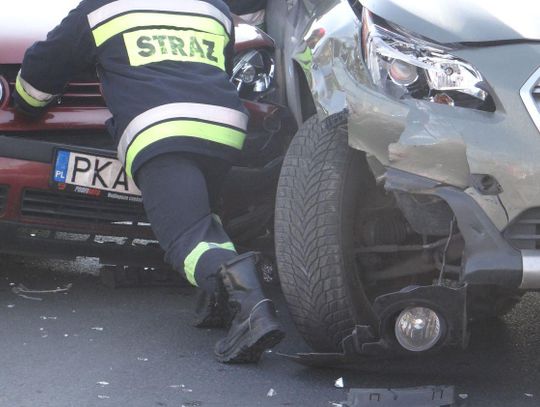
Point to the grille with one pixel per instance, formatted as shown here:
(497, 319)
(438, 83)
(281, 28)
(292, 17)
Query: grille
(52, 205)
(83, 91)
(3, 197)
(524, 232)
(530, 94)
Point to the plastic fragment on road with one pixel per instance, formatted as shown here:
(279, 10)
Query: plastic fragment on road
(334, 404)
(11, 305)
(103, 397)
(339, 383)
(529, 395)
(44, 318)
(271, 393)
(97, 328)
(27, 297)
(102, 383)
(141, 359)
(22, 291)
(425, 396)
(463, 396)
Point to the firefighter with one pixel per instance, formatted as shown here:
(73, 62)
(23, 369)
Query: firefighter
(251, 11)
(164, 67)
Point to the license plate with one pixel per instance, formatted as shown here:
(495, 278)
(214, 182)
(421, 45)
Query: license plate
(93, 175)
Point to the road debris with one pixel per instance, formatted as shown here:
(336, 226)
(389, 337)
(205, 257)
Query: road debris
(27, 297)
(102, 383)
(141, 359)
(426, 396)
(463, 396)
(27, 293)
(97, 328)
(103, 397)
(271, 393)
(339, 383)
(44, 318)
(529, 395)
(11, 305)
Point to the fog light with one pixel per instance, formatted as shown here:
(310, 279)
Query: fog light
(418, 329)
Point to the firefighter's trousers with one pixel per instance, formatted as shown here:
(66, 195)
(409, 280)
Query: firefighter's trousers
(176, 190)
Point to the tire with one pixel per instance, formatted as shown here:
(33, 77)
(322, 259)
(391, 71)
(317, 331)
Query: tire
(318, 192)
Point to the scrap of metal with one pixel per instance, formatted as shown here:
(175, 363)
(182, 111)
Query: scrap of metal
(426, 396)
(28, 293)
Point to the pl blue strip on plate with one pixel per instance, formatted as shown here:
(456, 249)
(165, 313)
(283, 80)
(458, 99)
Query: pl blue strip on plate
(61, 167)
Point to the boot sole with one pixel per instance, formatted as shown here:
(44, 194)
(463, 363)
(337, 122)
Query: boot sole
(251, 353)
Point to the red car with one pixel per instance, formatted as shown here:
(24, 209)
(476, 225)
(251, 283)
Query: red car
(49, 207)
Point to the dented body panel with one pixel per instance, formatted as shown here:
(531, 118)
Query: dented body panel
(481, 164)
(443, 143)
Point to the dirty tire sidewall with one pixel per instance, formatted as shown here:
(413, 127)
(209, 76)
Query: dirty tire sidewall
(321, 183)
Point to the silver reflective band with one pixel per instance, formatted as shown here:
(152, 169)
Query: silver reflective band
(256, 18)
(35, 93)
(185, 6)
(197, 111)
(531, 269)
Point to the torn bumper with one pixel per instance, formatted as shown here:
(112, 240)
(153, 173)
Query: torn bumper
(490, 256)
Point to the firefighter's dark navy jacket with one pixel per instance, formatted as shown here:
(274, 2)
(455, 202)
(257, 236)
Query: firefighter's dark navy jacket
(163, 66)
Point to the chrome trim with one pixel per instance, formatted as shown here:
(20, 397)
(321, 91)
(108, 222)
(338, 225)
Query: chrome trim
(526, 93)
(531, 269)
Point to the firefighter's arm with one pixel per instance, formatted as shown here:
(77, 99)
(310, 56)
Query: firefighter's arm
(48, 65)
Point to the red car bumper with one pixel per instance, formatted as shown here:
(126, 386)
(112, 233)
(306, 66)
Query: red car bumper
(38, 219)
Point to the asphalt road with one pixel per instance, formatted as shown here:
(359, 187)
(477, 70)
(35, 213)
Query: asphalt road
(95, 346)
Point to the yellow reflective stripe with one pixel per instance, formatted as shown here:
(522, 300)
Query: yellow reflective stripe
(155, 45)
(28, 98)
(190, 263)
(180, 110)
(145, 19)
(191, 7)
(184, 128)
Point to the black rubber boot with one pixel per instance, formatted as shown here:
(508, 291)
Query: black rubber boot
(255, 327)
(212, 310)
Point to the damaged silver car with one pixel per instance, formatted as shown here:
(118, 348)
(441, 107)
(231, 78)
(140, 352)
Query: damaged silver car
(409, 200)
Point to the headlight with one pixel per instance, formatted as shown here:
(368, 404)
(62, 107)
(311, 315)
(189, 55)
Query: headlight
(402, 65)
(253, 73)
